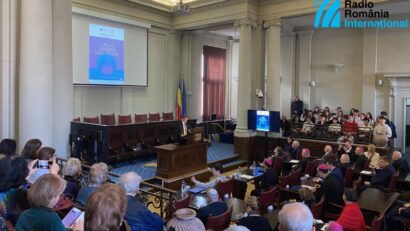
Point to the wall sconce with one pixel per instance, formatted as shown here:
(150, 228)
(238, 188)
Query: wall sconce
(379, 82)
(259, 93)
(336, 66)
(312, 83)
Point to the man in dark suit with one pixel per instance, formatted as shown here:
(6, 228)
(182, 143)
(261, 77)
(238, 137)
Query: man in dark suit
(214, 208)
(297, 106)
(183, 129)
(347, 148)
(331, 165)
(304, 161)
(360, 160)
(400, 164)
(383, 176)
(330, 189)
(295, 149)
(329, 155)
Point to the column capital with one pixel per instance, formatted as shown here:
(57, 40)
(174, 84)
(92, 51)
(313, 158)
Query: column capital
(272, 23)
(305, 33)
(245, 22)
(260, 23)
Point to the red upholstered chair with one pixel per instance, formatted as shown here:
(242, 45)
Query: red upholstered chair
(153, 117)
(267, 198)
(348, 177)
(377, 223)
(295, 177)
(220, 222)
(225, 187)
(92, 120)
(393, 182)
(108, 119)
(167, 116)
(285, 181)
(77, 119)
(316, 209)
(182, 203)
(311, 167)
(141, 118)
(124, 119)
(277, 164)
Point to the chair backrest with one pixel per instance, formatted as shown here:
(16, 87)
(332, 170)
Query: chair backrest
(377, 223)
(139, 118)
(108, 119)
(393, 182)
(311, 167)
(167, 116)
(295, 177)
(277, 164)
(225, 187)
(152, 117)
(267, 198)
(367, 164)
(77, 119)
(92, 120)
(183, 203)
(220, 222)
(285, 180)
(316, 209)
(348, 177)
(124, 119)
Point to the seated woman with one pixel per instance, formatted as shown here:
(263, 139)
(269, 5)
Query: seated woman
(253, 219)
(72, 174)
(45, 156)
(31, 149)
(351, 217)
(14, 172)
(373, 156)
(98, 176)
(43, 195)
(217, 171)
(105, 210)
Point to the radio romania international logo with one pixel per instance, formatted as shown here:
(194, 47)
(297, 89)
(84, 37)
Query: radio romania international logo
(327, 18)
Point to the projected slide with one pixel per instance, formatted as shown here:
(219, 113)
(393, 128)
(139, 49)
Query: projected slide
(262, 121)
(106, 56)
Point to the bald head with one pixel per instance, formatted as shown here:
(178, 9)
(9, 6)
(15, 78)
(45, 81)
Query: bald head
(396, 155)
(344, 159)
(212, 195)
(295, 217)
(328, 149)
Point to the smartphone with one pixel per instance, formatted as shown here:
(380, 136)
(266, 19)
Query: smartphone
(71, 217)
(43, 164)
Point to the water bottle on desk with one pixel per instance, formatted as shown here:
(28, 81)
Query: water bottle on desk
(183, 186)
(254, 168)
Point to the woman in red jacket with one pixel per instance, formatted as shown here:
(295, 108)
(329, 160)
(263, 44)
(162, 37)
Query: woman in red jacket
(351, 217)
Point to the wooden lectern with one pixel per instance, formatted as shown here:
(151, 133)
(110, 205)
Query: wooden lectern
(176, 161)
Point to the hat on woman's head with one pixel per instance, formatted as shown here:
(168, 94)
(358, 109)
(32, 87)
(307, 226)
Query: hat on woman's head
(268, 161)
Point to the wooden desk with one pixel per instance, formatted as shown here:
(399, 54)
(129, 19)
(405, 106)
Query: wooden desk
(241, 183)
(376, 200)
(176, 160)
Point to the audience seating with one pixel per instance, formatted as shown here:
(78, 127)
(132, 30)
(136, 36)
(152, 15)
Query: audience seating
(153, 117)
(295, 177)
(77, 119)
(348, 177)
(92, 120)
(333, 216)
(220, 222)
(286, 180)
(277, 164)
(225, 187)
(182, 203)
(167, 116)
(267, 198)
(316, 209)
(124, 119)
(108, 119)
(311, 167)
(377, 223)
(393, 182)
(141, 118)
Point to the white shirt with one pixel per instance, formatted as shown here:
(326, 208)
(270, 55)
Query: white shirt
(211, 184)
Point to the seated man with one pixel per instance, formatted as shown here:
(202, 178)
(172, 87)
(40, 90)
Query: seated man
(383, 176)
(360, 160)
(214, 208)
(253, 220)
(400, 164)
(98, 176)
(304, 161)
(295, 217)
(328, 154)
(396, 214)
(344, 163)
(331, 189)
(336, 172)
(137, 215)
(218, 177)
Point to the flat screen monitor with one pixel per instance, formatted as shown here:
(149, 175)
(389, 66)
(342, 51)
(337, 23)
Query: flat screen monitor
(266, 121)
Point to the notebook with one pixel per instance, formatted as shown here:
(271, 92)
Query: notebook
(196, 190)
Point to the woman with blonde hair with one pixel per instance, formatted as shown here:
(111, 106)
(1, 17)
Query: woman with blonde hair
(43, 195)
(373, 156)
(72, 174)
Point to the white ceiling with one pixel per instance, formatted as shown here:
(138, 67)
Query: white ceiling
(173, 2)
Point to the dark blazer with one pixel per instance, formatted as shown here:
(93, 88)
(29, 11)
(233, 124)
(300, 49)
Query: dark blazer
(214, 209)
(402, 166)
(139, 218)
(328, 156)
(350, 153)
(343, 167)
(360, 162)
(270, 178)
(333, 192)
(294, 152)
(303, 163)
(338, 175)
(383, 176)
(255, 223)
(180, 130)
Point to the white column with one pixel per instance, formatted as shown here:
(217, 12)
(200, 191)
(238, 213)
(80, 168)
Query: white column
(369, 70)
(228, 79)
(63, 96)
(303, 73)
(36, 82)
(273, 65)
(245, 75)
(392, 99)
(8, 68)
(259, 63)
(186, 72)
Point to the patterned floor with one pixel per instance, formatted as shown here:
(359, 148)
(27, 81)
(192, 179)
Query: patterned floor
(146, 168)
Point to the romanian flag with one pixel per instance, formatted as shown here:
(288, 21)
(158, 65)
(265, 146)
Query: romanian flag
(178, 109)
(183, 98)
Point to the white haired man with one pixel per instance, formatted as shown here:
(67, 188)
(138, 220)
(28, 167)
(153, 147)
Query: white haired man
(295, 217)
(137, 215)
(214, 208)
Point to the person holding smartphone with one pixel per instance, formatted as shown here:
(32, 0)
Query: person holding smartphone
(45, 163)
